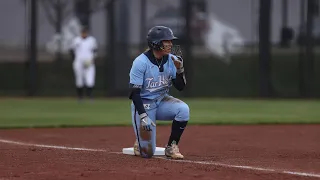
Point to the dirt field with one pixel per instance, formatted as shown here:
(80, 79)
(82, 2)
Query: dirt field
(212, 152)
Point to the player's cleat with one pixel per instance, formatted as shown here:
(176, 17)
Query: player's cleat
(173, 152)
(136, 148)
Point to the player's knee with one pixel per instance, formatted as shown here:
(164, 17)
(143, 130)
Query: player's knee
(148, 152)
(184, 112)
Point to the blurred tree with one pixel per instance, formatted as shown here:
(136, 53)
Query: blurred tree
(57, 11)
(83, 9)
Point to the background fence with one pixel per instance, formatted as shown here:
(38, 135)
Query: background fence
(232, 48)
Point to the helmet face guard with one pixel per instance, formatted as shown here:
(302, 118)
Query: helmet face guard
(158, 34)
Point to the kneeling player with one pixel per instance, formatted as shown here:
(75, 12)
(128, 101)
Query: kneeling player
(151, 75)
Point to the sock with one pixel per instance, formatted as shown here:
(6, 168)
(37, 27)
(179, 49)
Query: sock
(89, 91)
(177, 129)
(80, 92)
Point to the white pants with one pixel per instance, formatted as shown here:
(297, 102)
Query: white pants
(84, 76)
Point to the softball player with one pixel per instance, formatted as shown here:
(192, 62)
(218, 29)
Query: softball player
(83, 51)
(152, 74)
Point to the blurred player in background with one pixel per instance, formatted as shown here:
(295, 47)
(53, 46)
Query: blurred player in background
(152, 74)
(84, 51)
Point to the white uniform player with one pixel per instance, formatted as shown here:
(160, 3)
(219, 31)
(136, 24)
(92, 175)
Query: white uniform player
(84, 49)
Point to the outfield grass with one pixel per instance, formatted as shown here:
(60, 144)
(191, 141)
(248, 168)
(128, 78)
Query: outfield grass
(18, 113)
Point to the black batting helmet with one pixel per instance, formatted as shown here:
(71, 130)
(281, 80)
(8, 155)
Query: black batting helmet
(157, 34)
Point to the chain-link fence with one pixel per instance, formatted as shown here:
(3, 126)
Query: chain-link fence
(232, 48)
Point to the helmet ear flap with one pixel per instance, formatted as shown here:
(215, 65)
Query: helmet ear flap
(156, 45)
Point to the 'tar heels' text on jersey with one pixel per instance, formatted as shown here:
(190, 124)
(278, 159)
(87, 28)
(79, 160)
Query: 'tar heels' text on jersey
(154, 84)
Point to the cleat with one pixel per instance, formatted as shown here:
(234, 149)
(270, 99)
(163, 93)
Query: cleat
(172, 151)
(136, 148)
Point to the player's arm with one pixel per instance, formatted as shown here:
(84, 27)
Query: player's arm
(179, 80)
(136, 82)
(135, 91)
(71, 53)
(95, 47)
(72, 48)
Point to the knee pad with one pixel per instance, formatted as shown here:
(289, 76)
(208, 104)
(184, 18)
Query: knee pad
(146, 139)
(147, 149)
(147, 142)
(183, 112)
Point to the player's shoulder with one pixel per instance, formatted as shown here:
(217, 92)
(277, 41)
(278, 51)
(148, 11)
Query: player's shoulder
(140, 60)
(77, 38)
(92, 38)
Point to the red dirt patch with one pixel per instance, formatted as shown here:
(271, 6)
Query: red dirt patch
(282, 147)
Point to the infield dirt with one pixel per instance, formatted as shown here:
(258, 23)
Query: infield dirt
(212, 152)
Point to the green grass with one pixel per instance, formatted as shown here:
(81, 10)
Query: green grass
(20, 113)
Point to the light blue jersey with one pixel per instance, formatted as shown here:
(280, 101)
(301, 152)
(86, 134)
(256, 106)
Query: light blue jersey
(154, 84)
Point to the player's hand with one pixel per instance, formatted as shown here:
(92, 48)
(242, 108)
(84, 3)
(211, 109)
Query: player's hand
(146, 122)
(178, 62)
(87, 63)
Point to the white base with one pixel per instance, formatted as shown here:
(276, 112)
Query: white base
(158, 152)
